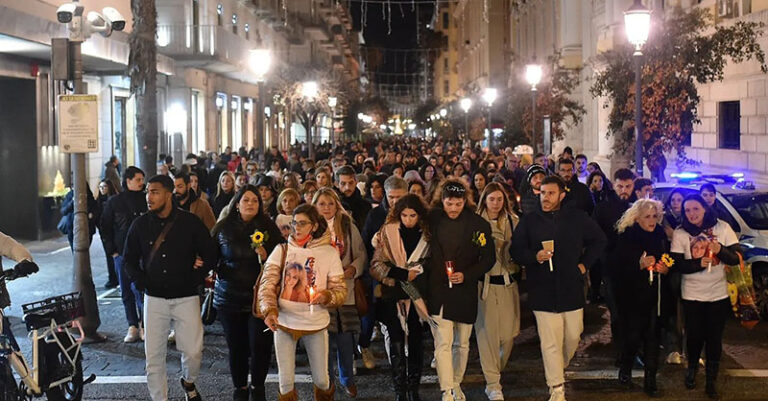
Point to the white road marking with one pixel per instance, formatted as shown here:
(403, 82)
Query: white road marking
(747, 372)
(66, 248)
(120, 379)
(601, 374)
(106, 294)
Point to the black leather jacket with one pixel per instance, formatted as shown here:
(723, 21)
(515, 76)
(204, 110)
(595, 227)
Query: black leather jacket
(238, 265)
(116, 218)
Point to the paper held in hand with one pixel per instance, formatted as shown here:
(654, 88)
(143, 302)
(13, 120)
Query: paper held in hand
(550, 247)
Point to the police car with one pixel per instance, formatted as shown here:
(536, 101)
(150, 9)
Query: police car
(744, 206)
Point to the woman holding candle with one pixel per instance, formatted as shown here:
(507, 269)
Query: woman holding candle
(401, 249)
(704, 287)
(498, 312)
(345, 322)
(637, 262)
(237, 270)
(309, 246)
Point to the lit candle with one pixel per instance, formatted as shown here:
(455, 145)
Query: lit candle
(449, 271)
(710, 255)
(311, 298)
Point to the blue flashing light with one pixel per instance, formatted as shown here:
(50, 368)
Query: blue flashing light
(685, 176)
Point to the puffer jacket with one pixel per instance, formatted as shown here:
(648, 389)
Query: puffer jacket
(238, 265)
(270, 284)
(118, 215)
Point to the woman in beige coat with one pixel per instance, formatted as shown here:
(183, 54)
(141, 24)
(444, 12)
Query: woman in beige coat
(498, 310)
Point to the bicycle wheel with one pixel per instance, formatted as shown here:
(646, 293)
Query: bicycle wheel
(57, 366)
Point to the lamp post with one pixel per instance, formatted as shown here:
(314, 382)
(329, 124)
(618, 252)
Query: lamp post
(637, 22)
(466, 104)
(533, 74)
(489, 96)
(260, 61)
(309, 92)
(332, 101)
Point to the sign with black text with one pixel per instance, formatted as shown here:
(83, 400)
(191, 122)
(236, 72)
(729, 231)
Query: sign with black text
(78, 123)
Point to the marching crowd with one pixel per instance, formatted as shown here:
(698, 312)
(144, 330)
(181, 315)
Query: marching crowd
(414, 236)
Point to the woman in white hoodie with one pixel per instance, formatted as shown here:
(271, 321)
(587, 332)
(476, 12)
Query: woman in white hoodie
(293, 318)
(345, 322)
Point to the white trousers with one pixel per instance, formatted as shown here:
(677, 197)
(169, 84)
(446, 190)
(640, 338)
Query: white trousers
(559, 334)
(451, 351)
(158, 314)
(316, 345)
(498, 323)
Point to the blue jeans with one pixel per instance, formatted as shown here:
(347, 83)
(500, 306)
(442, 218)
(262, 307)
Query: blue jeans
(133, 300)
(344, 343)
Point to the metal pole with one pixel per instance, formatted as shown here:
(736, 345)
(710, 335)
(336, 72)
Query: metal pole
(638, 115)
(466, 125)
(311, 137)
(533, 121)
(80, 242)
(333, 127)
(490, 130)
(261, 132)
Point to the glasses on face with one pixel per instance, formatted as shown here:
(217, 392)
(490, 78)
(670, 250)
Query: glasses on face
(300, 223)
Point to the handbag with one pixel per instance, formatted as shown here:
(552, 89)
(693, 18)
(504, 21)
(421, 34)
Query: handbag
(741, 292)
(255, 306)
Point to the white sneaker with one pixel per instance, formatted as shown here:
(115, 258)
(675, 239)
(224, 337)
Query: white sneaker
(132, 336)
(447, 396)
(458, 395)
(433, 364)
(557, 393)
(369, 361)
(376, 335)
(172, 337)
(494, 395)
(674, 358)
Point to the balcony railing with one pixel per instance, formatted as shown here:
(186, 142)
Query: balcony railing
(202, 42)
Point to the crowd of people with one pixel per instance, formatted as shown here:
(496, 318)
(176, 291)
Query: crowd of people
(417, 237)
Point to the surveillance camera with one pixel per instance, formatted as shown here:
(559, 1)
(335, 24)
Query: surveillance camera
(114, 16)
(67, 11)
(97, 23)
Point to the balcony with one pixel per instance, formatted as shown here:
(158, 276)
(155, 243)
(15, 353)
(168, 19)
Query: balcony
(211, 47)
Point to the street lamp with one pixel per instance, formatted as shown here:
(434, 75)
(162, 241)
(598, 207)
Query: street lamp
(489, 96)
(309, 92)
(260, 61)
(533, 74)
(443, 113)
(466, 104)
(637, 22)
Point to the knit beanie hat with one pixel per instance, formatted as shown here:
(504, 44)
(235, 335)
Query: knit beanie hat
(533, 170)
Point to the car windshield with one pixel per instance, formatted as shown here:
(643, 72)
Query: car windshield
(753, 208)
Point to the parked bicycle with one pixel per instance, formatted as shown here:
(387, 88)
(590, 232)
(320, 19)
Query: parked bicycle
(56, 369)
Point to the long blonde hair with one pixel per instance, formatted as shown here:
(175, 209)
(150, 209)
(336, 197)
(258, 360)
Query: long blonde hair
(342, 220)
(221, 176)
(629, 217)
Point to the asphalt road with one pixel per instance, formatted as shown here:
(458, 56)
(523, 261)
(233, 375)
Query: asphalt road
(120, 367)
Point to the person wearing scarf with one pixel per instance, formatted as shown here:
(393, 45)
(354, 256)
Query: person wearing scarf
(319, 267)
(498, 309)
(401, 248)
(639, 249)
(702, 247)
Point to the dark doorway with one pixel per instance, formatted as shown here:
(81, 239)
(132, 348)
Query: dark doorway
(18, 158)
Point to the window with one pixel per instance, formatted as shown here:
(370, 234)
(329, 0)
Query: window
(446, 87)
(728, 125)
(219, 12)
(445, 66)
(446, 21)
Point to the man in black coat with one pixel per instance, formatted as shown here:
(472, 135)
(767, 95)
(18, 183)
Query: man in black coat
(556, 275)
(577, 194)
(529, 200)
(606, 214)
(119, 213)
(346, 187)
(168, 253)
(463, 241)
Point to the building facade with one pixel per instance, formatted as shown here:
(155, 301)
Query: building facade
(208, 95)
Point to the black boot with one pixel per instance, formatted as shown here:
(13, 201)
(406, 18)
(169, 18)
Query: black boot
(690, 375)
(711, 387)
(649, 384)
(258, 393)
(398, 364)
(415, 361)
(240, 394)
(625, 376)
